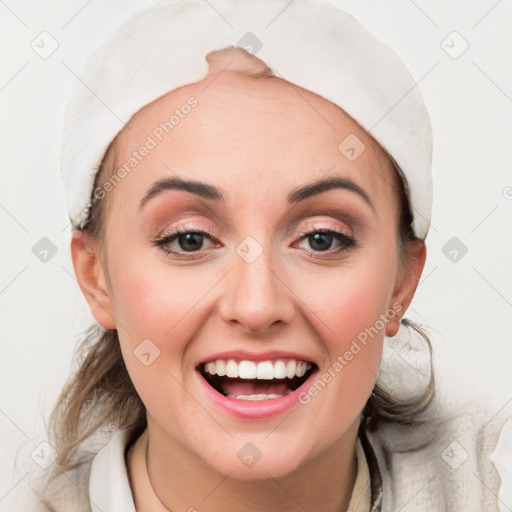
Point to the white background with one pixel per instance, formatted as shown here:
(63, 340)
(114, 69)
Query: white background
(466, 305)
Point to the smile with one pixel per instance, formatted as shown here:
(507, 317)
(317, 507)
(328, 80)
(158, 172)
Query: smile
(255, 384)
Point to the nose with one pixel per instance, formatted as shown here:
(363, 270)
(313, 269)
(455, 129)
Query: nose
(256, 297)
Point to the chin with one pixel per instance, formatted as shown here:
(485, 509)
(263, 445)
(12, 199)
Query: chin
(258, 456)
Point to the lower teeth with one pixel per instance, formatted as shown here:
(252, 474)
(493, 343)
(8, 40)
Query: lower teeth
(258, 397)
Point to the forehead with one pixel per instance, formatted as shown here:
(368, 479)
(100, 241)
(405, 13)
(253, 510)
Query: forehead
(258, 135)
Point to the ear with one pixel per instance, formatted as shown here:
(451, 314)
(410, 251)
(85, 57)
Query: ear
(407, 282)
(91, 278)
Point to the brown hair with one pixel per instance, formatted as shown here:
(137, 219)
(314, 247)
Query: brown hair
(100, 394)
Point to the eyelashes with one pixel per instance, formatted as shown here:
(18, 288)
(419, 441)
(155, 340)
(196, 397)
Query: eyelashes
(190, 238)
(345, 241)
(165, 242)
(177, 234)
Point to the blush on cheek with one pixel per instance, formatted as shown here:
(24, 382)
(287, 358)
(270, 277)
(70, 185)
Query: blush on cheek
(350, 310)
(162, 306)
(353, 335)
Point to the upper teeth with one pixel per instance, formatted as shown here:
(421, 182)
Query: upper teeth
(264, 370)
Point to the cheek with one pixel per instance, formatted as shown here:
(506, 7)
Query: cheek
(354, 335)
(349, 308)
(152, 299)
(161, 304)
(350, 300)
(160, 312)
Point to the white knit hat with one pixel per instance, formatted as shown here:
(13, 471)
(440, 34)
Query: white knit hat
(310, 43)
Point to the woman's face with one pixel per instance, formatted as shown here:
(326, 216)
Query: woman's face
(265, 285)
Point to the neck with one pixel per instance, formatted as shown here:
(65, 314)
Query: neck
(179, 480)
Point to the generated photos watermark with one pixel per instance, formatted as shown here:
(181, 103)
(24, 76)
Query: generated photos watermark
(344, 359)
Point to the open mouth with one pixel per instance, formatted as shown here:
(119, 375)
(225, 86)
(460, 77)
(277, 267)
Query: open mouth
(250, 380)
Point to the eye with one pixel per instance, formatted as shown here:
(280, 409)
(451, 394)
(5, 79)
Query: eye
(321, 240)
(186, 240)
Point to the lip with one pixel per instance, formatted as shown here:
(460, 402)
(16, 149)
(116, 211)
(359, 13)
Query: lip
(241, 355)
(254, 409)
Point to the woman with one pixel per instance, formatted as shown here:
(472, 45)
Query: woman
(248, 240)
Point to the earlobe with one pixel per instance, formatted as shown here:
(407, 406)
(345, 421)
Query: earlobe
(91, 279)
(406, 287)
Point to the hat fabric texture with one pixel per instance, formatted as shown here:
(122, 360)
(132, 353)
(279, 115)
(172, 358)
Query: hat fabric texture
(310, 43)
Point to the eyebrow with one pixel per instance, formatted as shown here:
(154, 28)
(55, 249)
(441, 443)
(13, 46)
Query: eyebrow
(194, 187)
(325, 184)
(213, 193)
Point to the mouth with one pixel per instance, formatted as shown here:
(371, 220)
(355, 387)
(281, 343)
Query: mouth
(256, 381)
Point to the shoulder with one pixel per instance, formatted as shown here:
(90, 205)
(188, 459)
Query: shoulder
(37, 489)
(38, 492)
(445, 462)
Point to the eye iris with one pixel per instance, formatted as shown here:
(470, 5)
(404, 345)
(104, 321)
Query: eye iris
(190, 241)
(322, 239)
